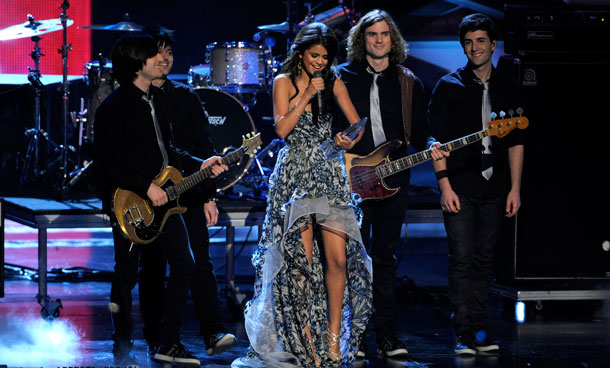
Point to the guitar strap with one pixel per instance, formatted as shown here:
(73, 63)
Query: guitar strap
(406, 78)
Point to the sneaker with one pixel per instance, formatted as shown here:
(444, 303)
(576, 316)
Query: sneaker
(175, 353)
(219, 343)
(464, 346)
(483, 344)
(391, 347)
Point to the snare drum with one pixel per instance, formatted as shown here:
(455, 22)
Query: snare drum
(229, 121)
(236, 66)
(100, 83)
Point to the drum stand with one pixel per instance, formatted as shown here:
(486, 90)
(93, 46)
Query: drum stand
(31, 166)
(67, 179)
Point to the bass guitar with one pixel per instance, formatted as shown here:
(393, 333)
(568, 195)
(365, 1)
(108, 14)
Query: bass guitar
(366, 173)
(141, 222)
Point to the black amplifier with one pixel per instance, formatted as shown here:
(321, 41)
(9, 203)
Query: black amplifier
(557, 29)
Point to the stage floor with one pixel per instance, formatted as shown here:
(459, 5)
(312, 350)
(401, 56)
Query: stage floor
(562, 334)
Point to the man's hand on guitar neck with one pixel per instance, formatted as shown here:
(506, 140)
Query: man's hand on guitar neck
(157, 196)
(217, 168)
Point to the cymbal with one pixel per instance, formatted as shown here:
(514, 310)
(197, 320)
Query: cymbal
(121, 26)
(282, 27)
(27, 30)
(331, 18)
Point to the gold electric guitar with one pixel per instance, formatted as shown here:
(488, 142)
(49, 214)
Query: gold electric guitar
(366, 173)
(141, 222)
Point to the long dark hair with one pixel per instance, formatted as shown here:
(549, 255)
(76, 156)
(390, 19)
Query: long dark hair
(129, 54)
(311, 35)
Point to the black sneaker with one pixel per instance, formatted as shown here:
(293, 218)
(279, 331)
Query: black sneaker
(219, 343)
(175, 353)
(464, 346)
(483, 344)
(391, 347)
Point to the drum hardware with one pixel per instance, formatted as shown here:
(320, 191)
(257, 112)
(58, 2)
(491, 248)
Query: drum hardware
(125, 25)
(65, 48)
(100, 83)
(31, 28)
(199, 75)
(37, 134)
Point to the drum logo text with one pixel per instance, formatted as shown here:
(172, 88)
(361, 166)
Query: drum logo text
(217, 120)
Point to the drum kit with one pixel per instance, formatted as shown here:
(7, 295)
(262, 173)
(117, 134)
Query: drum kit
(230, 83)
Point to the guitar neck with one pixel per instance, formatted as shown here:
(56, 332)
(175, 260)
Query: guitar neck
(196, 178)
(407, 162)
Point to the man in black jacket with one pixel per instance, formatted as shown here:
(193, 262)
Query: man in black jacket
(190, 131)
(376, 49)
(478, 183)
(132, 148)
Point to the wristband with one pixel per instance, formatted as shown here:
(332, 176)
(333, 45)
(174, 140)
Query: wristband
(441, 174)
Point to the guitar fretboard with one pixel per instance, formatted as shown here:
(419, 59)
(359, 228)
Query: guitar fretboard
(409, 161)
(196, 178)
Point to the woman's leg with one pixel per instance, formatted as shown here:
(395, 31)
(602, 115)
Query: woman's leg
(334, 249)
(307, 238)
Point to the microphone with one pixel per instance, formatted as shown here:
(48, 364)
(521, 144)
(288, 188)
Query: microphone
(318, 74)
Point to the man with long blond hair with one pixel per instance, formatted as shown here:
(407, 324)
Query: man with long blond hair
(382, 89)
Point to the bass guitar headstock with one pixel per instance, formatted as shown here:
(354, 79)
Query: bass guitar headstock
(502, 126)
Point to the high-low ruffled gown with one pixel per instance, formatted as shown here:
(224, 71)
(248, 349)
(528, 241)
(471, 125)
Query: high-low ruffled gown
(289, 294)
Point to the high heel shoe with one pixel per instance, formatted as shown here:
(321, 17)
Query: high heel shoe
(334, 340)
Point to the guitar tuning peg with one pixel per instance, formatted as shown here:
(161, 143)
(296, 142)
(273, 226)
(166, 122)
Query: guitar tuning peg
(502, 114)
(243, 136)
(493, 116)
(248, 135)
(511, 112)
(519, 111)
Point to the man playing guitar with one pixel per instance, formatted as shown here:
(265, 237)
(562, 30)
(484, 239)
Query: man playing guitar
(132, 148)
(395, 102)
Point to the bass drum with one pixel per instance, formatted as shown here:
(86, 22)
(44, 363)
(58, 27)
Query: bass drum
(229, 121)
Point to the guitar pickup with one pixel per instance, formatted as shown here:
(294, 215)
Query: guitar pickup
(133, 216)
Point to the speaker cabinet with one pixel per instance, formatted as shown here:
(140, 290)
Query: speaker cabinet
(563, 227)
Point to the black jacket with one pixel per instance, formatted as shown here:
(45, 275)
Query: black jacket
(190, 133)
(455, 111)
(126, 151)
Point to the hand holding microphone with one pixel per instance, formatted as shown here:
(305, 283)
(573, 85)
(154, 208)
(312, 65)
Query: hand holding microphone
(318, 74)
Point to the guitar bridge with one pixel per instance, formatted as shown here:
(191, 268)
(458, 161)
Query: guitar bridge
(133, 216)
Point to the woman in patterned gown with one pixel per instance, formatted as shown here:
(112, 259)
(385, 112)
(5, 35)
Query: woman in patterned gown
(312, 294)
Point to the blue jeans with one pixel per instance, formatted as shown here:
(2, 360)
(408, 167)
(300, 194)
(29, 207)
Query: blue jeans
(472, 234)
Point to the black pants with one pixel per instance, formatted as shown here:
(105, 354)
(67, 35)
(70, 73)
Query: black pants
(385, 219)
(172, 246)
(472, 234)
(204, 288)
